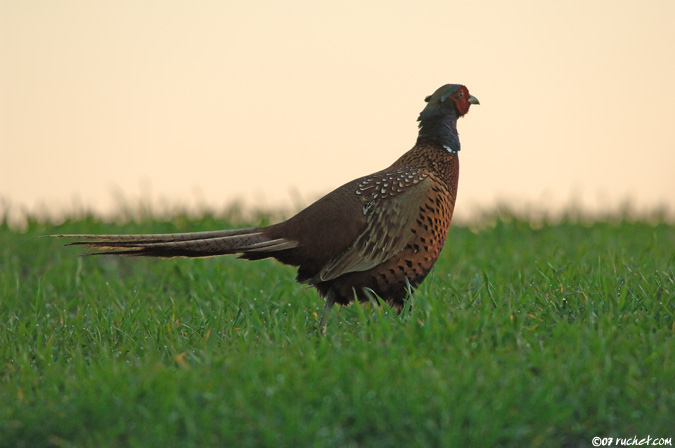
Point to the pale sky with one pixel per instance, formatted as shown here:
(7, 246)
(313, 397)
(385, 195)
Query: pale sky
(273, 104)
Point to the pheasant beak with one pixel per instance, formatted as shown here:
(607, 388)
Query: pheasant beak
(473, 100)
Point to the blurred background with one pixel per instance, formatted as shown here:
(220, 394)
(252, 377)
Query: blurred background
(196, 105)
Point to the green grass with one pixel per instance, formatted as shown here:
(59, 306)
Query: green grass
(521, 336)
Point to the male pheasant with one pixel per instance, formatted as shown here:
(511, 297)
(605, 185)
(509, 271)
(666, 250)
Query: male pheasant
(379, 234)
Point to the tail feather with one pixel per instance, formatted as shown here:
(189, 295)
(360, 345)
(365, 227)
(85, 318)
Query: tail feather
(197, 244)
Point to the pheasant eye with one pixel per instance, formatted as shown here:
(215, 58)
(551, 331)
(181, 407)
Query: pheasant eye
(460, 95)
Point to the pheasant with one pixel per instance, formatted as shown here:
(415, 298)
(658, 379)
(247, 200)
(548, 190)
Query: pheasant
(379, 234)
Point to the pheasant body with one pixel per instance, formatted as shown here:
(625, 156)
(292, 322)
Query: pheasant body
(407, 210)
(376, 234)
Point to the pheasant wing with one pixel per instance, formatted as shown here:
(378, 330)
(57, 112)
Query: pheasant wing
(390, 219)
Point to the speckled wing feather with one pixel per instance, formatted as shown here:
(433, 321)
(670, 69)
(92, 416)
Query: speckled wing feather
(391, 205)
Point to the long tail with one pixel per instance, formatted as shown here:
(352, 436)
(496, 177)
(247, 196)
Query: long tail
(251, 241)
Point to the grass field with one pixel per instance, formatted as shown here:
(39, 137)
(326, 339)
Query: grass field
(544, 337)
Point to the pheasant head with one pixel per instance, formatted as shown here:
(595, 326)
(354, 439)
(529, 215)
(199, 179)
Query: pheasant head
(438, 120)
